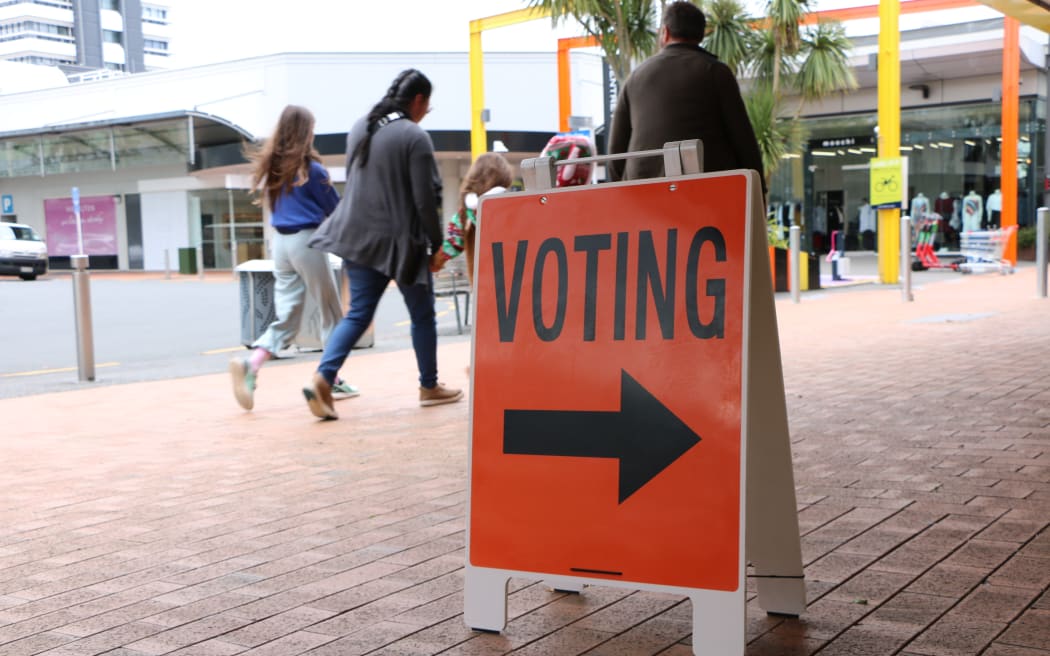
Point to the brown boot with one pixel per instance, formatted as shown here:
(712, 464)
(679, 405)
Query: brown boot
(319, 397)
(438, 395)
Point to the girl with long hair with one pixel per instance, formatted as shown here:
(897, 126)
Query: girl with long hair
(489, 174)
(386, 228)
(287, 173)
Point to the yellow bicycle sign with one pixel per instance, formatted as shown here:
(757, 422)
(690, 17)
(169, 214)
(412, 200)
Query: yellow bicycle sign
(886, 182)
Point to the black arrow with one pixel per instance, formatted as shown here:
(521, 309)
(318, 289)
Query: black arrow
(643, 434)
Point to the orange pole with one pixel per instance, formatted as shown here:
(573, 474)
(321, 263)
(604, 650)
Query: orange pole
(565, 76)
(872, 11)
(1008, 149)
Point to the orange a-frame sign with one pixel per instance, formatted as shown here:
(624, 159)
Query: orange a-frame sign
(610, 392)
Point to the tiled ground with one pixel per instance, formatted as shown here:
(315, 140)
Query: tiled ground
(160, 519)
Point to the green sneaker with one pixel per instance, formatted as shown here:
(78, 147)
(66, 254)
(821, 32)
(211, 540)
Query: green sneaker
(344, 390)
(243, 382)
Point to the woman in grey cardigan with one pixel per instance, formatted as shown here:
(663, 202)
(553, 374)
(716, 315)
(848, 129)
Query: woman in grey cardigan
(386, 228)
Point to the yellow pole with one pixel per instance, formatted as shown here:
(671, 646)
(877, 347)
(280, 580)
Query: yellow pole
(478, 135)
(889, 132)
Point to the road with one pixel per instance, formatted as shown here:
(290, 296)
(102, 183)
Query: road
(145, 328)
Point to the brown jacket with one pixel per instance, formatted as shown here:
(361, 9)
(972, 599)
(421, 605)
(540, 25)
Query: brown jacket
(682, 92)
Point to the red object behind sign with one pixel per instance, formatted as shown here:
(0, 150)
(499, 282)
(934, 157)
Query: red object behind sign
(559, 513)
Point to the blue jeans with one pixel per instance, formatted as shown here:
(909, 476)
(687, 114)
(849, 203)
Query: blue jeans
(366, 288)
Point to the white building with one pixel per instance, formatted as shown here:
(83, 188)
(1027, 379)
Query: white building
(86, 35)
(161, 152)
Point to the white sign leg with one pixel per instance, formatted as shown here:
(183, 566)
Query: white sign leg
(485, 598)
(772, 537)
(718, 623)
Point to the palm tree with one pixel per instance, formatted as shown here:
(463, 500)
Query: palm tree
(626, 29)
(783, 18)
(825, 63)
(774, 54)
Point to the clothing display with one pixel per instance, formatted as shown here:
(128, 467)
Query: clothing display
(867, 216)
(820, 219)
(973, 209)
(944, 205)
(920, 206)
(994, 208)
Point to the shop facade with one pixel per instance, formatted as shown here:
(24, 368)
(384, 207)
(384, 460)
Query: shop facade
(954, 171)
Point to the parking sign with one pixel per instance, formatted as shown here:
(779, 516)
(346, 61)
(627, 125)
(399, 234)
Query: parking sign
(8, 204)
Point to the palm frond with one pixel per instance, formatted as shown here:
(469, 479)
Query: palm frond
(776, 136)
(784, 17)
(763, 60)
(626, 29)
(825, 65)
(730, 35)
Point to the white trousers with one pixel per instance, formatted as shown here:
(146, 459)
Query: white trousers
(299, 270)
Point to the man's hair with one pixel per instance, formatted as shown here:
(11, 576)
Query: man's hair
(685, 21)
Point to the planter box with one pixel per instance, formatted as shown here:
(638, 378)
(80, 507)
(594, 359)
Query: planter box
(778, 264)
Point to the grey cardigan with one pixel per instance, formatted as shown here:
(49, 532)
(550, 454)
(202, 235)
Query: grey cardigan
(388, 218)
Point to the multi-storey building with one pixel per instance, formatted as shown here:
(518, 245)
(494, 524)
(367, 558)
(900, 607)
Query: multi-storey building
(84, 36)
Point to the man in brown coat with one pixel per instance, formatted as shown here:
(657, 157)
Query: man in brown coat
(682, 92)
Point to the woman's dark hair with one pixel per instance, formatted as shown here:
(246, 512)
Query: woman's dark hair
(685, 21)
(407, 85)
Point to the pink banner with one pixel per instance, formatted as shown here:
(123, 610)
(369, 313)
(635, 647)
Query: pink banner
(98, 224)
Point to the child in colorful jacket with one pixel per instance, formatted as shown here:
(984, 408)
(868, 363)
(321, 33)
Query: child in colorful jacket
(490, 174)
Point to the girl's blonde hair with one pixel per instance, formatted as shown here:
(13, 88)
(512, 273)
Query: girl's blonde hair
(488, 170)
(283, 160)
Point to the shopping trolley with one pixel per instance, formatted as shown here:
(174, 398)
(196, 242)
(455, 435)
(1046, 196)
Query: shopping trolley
(983, 250)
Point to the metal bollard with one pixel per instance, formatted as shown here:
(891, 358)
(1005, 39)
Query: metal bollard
(200, 262)
(906, 294)
(1040, 249)
(794, 242)
(167, 264)
(82, 312)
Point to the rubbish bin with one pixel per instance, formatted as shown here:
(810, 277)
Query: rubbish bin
(188, 260)
(258, 309)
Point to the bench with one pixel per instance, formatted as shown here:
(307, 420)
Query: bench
(452, 281)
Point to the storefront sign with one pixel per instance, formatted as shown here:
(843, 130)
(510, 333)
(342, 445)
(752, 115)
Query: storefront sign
(888, 181)
(841, 142)
(98, 216)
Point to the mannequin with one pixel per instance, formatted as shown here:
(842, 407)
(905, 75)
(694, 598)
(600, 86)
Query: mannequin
(820, 226)
(994, 208)
(820, 218)
(867, 218)
(920, 206)
(973, 209)
(944, 206)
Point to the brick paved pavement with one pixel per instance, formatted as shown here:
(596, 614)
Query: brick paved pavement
(160, 519)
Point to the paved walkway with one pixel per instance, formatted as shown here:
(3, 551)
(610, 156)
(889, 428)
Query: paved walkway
(158, 518)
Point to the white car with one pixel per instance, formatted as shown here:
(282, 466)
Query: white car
(22, 252)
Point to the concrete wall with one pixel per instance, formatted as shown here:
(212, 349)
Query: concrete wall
(165, 225)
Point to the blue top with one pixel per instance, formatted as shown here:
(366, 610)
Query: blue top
(307, 205)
